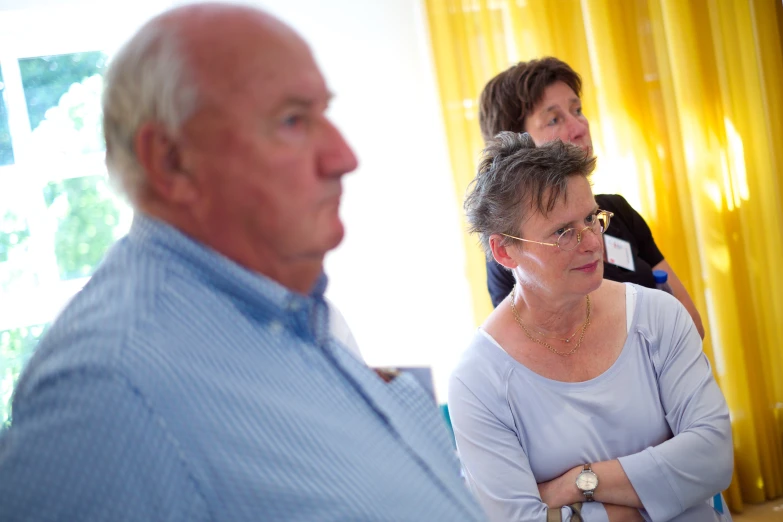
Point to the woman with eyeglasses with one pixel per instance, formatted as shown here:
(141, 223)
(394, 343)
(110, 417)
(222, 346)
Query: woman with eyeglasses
(541, 97)
(579, 394)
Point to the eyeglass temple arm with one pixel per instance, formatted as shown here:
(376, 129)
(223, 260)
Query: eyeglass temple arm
(528, 240)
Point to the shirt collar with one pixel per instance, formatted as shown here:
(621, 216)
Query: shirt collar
(206, 264)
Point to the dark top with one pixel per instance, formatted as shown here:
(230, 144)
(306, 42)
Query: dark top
(626, 224)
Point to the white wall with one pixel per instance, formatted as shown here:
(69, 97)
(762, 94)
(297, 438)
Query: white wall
(399, 275)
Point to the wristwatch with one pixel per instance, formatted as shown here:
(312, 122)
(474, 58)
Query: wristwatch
(587, 481)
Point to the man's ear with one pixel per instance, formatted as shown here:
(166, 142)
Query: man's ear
(500, 251)
(160, 158)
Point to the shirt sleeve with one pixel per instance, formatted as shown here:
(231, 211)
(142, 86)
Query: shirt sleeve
(496, 466)
(648, 250)
(500, 281)
(84, 446)
(698, 461)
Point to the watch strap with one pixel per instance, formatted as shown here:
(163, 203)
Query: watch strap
(588, 468)
(553, 515)
(576, 509)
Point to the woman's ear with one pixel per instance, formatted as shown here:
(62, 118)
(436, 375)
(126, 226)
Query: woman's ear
(501, 251)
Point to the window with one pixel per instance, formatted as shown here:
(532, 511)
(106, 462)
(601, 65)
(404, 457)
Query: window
(59, 215)
(6, 150)
(16, 347)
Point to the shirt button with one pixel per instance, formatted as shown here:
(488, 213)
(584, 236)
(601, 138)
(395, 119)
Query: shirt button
(275, 328)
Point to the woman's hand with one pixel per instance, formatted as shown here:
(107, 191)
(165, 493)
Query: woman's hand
(561, 491)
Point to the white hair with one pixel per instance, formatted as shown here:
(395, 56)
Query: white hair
(147, 80)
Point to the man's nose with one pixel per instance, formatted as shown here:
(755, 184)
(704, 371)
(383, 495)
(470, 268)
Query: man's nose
(337, 157)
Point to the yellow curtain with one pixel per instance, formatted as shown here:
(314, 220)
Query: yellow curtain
(685, 101)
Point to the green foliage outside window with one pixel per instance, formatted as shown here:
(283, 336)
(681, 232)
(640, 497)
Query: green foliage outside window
(47, 78)
(6, 149)
(13, 232)
(63, 101)
(87, 229)
(16, 347)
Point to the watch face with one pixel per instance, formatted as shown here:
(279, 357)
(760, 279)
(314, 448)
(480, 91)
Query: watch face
(587, 481)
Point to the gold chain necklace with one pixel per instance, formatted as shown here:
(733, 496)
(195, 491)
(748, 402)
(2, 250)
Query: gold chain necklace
(566, 340)
(542, 342)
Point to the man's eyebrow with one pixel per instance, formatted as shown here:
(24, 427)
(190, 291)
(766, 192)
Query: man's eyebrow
(299, 101)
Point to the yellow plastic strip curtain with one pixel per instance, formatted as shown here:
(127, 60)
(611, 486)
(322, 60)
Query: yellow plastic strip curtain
(685, 101)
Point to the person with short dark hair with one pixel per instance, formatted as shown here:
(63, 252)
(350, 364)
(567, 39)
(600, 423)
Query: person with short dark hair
(579, 397)
(541, 97)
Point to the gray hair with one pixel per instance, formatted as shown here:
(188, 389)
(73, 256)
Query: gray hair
(515, 177)
(147, 80)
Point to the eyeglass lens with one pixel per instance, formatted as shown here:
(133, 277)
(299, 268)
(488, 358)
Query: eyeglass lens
(569, 239)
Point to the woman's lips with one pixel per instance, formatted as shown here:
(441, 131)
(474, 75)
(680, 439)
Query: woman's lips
(590, 267)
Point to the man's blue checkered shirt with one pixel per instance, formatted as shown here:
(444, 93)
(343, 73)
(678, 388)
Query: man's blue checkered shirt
(179, 386)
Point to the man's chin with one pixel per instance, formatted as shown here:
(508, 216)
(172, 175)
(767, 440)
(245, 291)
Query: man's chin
(336, 236)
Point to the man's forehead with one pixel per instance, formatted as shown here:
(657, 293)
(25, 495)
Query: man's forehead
(290, 85)
(239, 41)
(275, 73)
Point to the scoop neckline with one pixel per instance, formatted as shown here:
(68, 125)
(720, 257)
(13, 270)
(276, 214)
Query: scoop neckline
(605, 375)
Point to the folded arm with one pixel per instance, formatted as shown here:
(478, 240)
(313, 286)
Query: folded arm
(690, 467)
(698, 461)
(496, 466)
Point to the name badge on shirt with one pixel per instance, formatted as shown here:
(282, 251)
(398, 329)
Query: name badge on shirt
(618, 252)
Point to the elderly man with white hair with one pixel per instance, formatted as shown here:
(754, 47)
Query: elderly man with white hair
(195, 377)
